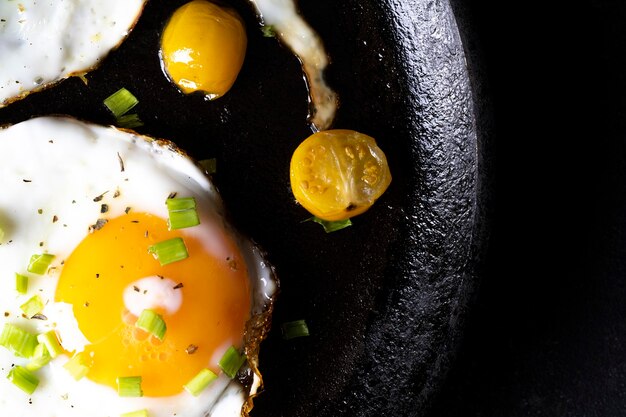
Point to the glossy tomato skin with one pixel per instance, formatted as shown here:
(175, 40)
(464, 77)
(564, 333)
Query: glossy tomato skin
(338, 174)
(203, 48)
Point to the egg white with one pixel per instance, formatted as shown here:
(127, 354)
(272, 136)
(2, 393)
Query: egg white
(44, 41)
(283, 16)
(54, 168)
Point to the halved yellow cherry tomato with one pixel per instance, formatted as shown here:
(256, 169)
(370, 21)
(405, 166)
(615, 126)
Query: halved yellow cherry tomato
(337, 174)
(203, 48)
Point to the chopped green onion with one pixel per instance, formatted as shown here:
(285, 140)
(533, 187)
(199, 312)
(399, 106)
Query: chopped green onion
(153, 323)
(129, 386)
(23, 379)
(209, 165)
(40, 358)
(180, 203)
(18, 341)
(168, 251)
(120, 102)
(39, 263)
(51, 341)
(33, 306)
(199, 382)
(182, 212)
(231, 362)
(268, 31)
(138, 413)
(129, 121)
(294, 329)
(79, 366)
(21, 283)
(330, 226)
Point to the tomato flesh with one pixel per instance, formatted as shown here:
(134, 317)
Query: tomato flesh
(338, 174)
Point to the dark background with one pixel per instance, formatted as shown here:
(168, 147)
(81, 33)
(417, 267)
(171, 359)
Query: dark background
(547, 333)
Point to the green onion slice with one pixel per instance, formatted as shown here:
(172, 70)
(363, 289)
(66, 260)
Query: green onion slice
(138, 413)
(168, 251)
(40, 358)
(33, 306)
(23, 379)
(120, 102)
(18, 341)
(231, 362)
(51, 341)
(329, 226)
(79, 366)
(199, 382)
(292, 329)
(182, 212)
(129, 386)
(39, 263)
(209, 165)
(21, 283)
(152, 322)
(268, 31)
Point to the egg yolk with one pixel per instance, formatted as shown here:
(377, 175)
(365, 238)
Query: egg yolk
(203, 48)
(215, 304)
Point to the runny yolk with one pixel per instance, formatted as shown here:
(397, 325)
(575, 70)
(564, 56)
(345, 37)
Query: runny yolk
(215, 304)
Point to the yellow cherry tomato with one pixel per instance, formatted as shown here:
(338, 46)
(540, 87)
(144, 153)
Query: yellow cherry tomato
(337, 174)
(203, 47)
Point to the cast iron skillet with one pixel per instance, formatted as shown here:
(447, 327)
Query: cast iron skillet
(384, 299)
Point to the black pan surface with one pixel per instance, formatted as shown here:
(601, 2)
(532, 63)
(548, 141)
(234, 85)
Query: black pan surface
(385, 298)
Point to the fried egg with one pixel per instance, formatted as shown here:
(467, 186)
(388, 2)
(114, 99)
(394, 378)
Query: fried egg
(45, 41)
(93, 199)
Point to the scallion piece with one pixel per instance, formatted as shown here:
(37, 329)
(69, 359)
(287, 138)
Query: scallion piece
(168, 251)
(209, 165)
(40, 358)
(21, 283)
(268, 31)
(78, 366)
(18, 341)
(231, 362)
(51, 341)
(39, 263)
(182, 212)
(129, 386)
(180, 203)
(152, 322)
(120, 102)
(199, 382)
(138, 413)
(294, 329)
(33, 306)
(23, 379)
(129, 121)
(330, 226)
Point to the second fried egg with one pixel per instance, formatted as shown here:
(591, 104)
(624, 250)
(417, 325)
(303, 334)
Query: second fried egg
(43, 42)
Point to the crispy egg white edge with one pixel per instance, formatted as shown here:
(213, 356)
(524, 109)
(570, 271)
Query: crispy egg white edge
(45, 41)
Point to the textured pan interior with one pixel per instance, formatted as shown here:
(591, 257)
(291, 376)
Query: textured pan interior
(383, 299)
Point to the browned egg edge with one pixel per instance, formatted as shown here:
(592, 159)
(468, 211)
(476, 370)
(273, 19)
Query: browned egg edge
(80, 73)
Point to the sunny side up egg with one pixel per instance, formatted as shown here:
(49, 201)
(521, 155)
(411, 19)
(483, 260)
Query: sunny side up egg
(45, 41)
(94, 198)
